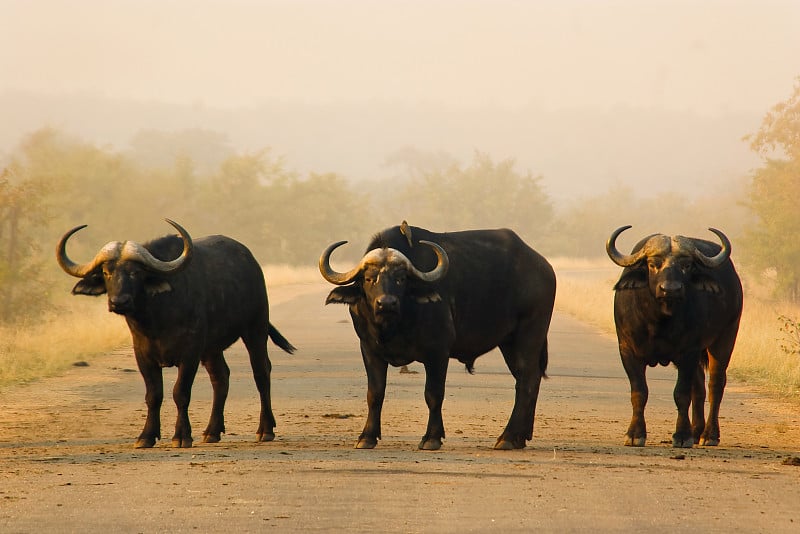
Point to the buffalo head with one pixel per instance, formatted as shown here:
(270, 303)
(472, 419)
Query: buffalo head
(127, 271)
(668, 265)
(384, 278)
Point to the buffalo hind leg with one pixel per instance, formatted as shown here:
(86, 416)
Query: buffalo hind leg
(435, 377)
(153, 398)
(526, 358)
(256, 343)
(182, 395)
(376, 369)
(219, 373)
(719, 355)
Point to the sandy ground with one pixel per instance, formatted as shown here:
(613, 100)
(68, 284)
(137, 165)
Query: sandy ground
(67, 463)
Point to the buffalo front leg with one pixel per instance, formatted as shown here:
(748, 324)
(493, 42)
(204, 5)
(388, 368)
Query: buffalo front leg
(182, 395)
(637, 430)
(153, 397)
(435, 375)
(376, 390)
(682, 394)
(698, 403)
(219, 373)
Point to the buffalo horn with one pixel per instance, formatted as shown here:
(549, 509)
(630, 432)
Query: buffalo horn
(329, 274)
(623, 260)
(719, 259)
(439, 271)
(135, 252)
(81, 270)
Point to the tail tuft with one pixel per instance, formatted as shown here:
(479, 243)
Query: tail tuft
(279, 340)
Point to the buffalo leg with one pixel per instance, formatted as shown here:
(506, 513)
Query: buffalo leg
(717, 378)
(526, 366)
(683, 395)
(153, 398)
(637, 431)
(698, 403)
(376, 390)
(435, 377)
(719, 355)
(219, 373)
(182, 395)
(256, 343)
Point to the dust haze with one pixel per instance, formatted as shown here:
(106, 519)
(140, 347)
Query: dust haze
(590, 96)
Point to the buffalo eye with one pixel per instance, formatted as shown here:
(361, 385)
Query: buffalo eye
(369, 277)
(654, 264)
(686, 265)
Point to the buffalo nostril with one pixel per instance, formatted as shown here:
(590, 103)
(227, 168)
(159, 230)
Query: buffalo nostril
(386, 302)
(119, 301)
(670, 287)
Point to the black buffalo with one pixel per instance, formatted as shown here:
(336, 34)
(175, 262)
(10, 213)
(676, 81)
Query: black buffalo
(185, 302)
(438, 296)
(679, 300)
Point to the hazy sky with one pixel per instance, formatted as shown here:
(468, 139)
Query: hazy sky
(705, 56)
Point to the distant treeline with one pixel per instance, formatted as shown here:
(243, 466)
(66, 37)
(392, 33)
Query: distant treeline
(53, 182)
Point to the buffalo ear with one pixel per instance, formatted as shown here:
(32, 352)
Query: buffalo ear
(423, 293)
(703, 282)
(91, 284)
(424, 298)
(633, 279)
(155, 286)
(344, 295)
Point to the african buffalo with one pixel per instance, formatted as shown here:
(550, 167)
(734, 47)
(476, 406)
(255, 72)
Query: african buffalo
(678, 300)
(185, 302)
(448, 295)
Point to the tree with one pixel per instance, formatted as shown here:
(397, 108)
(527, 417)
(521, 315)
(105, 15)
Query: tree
(483, 194)
(23, 288)
(774, 192)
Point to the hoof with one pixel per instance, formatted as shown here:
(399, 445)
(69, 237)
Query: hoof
(635, 442)
(708, 442)
(267, 436)
(185, 443)
(366, 443)
(144, 443)
(507, 445)
(682, 443)
(211, 438)
(430, 444)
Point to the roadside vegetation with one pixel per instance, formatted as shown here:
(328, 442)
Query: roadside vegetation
(53, 182)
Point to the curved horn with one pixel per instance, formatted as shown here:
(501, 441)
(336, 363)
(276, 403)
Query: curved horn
(441, 266)
(715, 261)
(81, 270)
(136, 252)
(329, 274)
(623, 260)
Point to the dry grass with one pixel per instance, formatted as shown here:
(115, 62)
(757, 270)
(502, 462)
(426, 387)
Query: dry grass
(585, 291)
(49, 345)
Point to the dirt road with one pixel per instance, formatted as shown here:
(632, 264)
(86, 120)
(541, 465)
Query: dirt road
(67, 463)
